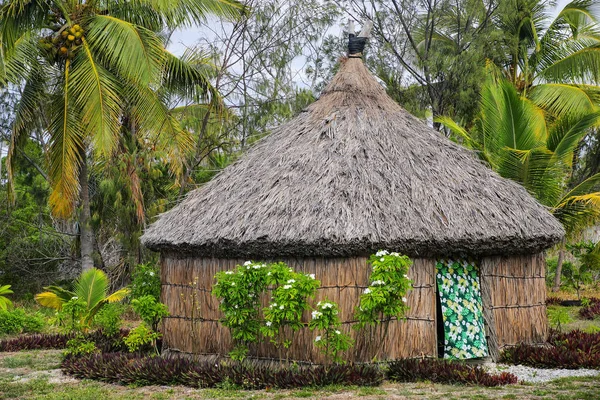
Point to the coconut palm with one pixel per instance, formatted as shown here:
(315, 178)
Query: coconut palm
(556, 63)
(84, 68)
(521, 142)
(91, 287)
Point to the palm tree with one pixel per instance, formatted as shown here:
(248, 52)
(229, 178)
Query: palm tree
(555, 63)
(91, 287)
(83, 68)
(521, 142)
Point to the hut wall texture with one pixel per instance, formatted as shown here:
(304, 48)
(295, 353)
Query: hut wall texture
(514, 289)
(194, 327)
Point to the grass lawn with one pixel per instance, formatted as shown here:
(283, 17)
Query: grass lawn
(35, 375)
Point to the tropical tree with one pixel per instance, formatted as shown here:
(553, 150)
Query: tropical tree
(554, 62)
(521, 142)
(86, 67)
(91, 287)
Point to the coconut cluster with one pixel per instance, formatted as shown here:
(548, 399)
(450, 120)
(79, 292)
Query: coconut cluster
(64, 42)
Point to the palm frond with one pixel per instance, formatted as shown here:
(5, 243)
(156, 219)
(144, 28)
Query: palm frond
(26, 119)
(96, 94)
(134, 52)
(578, 212)
(66, 149)
(566, 133)
(458, 132)
(562, 98)
(91, 286)
(188, 12)
(159, 127)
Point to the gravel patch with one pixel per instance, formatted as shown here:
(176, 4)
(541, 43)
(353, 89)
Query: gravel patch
(537, 375)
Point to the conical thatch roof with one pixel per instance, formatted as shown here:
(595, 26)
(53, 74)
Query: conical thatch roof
(354, 173)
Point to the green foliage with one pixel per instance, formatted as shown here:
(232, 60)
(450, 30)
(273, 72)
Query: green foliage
(332, 341)
(558, 317)
(385, 298)
(71, 314)
(4, 301)
(240, 292)
(145, 281)
(109, 319)
(288, 302)
(90, 293)
(141, 337)
(80, 346)
(150, 310)
(18, 321)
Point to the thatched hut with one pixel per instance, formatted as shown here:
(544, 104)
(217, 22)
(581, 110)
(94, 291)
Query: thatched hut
(352, 174)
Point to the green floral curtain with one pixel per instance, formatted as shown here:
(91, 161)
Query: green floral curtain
(464, 331)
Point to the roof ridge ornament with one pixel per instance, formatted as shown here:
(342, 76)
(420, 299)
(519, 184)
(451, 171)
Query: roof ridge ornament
(356, 44)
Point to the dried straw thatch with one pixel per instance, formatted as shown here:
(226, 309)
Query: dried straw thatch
(354, 173)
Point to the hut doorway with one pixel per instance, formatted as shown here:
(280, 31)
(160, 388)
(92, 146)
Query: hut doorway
(459, 303)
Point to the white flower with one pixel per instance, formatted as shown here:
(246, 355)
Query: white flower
(318, 338)
(257, 267)
(367, 291)
(395, 254)
(311, 276)
(291, 270)
(232, 283)
(404, 299)
(378, 283)
(316, 314)
(337, 332)
(269, 323)
(269, 273)
(229, 273)
(273, 305)
(248, 267)
(151, 273)
(235, 306)
(291, 281)
(287, 287)
(247, 263)
(406, 276)
(74, 298)
(382, 259)
(381, 253)
(326, 305)
(281, 307)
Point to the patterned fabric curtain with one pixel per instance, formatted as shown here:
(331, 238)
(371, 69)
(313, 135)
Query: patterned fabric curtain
(464, 331)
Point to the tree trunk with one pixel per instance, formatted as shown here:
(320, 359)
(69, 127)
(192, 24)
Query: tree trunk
(559, 264)
(86, 235)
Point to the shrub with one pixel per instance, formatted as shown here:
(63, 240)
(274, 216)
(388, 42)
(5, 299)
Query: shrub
(104, 343)
(145, 281)
(109, 319)
(572, 350)
(17, 321)
(443, 371)
(591, 310)
(80, 346)
(140, 338)
(150, 310)
(134, 369)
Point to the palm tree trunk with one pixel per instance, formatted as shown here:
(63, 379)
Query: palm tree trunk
(86, 235)
(559, 264)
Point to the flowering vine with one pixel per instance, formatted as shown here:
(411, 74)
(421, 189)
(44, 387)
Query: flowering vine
(385, 298)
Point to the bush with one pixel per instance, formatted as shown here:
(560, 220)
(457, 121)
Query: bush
(104, 343)
(109, 319)
(133, 369)
(592, 310)
(150, 310)
(443, 371)
(80, 346)
(145, 281)
(17, 321)
(572, 350)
